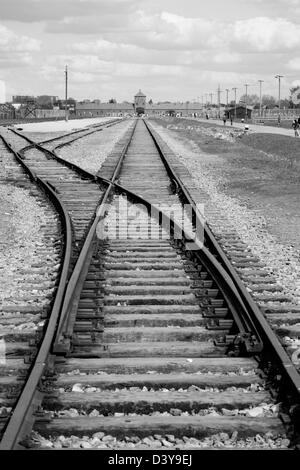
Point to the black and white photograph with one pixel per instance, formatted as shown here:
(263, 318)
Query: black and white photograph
(150, 229)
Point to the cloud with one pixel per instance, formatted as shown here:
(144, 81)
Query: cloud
(104, 23)
(97, 67)
(167, 31)
(11, 42)
(153, 31)
(294, 64)
(16, 51)
(28, 11)
(227, 58)
(265, 35)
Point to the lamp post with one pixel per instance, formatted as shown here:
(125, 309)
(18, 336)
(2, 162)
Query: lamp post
(246, 85)
(219, 101)
(66, 95)
(279, 77)
(234, 102)
(227, 91)
(260, 82)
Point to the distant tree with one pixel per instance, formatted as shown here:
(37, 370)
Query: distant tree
(112, 100)
(150, 101)
(286, 103)
(252, 100)
(294, 88)
(269, 101)
(292, 91)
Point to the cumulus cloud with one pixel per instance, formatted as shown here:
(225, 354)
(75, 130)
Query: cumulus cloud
(123, 41)
(265, 34)
(157, 31)
(11, 42)
(294, 64)
(167, 31)
(16, 50)
(96, 69)
(28, 11)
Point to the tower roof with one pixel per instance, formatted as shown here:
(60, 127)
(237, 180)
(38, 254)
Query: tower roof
(140, 93)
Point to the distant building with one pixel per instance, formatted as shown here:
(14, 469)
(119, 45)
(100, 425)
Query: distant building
(138, 106)
(103, 109)
(240, 111)
(22, 99)
(46, 101)
(7, 111)
(140, 102)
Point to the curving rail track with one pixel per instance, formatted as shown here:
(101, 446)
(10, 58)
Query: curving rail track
(64, 192)
(157, 343)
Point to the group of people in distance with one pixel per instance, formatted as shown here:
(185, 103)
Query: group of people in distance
(296, 125)
(225, 118)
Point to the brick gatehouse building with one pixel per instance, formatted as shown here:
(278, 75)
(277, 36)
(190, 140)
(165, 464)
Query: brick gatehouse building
(138, 106)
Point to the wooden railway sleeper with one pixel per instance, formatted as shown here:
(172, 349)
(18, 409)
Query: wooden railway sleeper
(239, 344)
(219, 324)
(29, 358)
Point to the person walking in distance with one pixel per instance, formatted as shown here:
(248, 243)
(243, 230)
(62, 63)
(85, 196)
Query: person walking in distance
(295, 126)
(224, 120)
(231, 119)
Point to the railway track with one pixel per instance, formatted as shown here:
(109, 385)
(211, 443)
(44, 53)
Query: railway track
(59, 190)
(268, 289)
(77, 189)
(27, 293)
(157, 344)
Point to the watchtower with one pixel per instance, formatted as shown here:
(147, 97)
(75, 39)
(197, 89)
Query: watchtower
(140, 102)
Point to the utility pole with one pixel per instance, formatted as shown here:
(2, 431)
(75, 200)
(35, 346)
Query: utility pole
(246, 85)
(205, 99)
(66, 96)
(260, 82)
(234, 102)
(211, 95)
(219, 101)
(279, 77)
(227, 91)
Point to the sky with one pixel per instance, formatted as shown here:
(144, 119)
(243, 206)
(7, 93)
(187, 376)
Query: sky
(174, 50)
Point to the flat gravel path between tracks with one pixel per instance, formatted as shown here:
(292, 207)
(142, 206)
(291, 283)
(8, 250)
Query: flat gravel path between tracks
(90, 152)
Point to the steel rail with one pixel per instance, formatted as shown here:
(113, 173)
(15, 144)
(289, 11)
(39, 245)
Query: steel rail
(68, 314)
(207, 258)
(53, 154)
(22, 419)
(95, 127)
(260, 322)
(30, 397)
(78, 131)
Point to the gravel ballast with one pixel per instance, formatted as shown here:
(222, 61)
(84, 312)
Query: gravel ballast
(282, 261)
(22, 236)
(30, 250)
(90, 152)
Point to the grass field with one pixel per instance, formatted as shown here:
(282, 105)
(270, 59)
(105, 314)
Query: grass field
(286, 148)
(285, 123)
